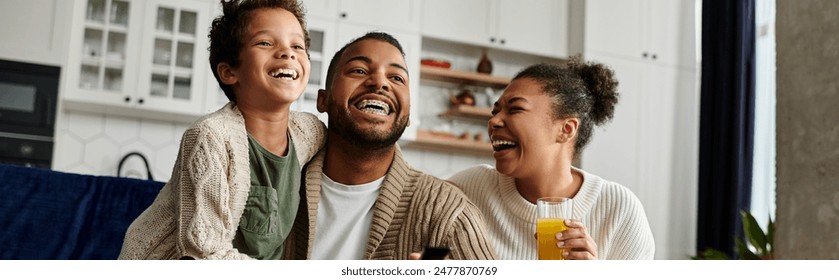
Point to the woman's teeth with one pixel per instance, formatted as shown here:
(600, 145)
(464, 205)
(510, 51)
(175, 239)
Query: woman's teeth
(503, 144)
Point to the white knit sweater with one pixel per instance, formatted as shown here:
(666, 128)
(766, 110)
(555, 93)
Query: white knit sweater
(197, 212)
(613, 215)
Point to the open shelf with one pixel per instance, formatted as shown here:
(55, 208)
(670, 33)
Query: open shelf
(450, 143)
(462, 77)
(468, 112)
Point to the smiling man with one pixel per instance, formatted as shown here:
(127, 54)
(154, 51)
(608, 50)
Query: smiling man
(362, 200)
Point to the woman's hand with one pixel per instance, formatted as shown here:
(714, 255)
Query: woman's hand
(576, 238)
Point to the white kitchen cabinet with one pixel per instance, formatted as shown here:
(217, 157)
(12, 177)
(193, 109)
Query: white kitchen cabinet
(141, 58)
(538, 27)
(322, 47)
(651, 144)
(34, 31)
(651, 147)
(662, 31)
(321, 8)
(401, 15)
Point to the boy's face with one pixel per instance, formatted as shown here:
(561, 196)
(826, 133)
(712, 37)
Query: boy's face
(369, 100)
(274, 65)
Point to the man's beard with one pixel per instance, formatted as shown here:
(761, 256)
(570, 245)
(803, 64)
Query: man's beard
(366, 138)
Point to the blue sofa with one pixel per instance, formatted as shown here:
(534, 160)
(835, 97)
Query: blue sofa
(50, 215)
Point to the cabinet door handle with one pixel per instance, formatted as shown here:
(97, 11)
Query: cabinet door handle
(492, 39)
(655, 56)
(645, 54)
(343, 15)
(140, 101)
(503, 41)
(127, 99)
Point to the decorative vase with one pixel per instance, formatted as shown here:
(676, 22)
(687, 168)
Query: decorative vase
(485, 66)
(464, 98)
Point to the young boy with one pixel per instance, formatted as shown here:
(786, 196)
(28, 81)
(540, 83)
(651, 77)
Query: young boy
(234, 189)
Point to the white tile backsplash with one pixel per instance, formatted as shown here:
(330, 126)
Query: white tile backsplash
(86, 127)
(157, 134)
(88, 143)
(121, 129)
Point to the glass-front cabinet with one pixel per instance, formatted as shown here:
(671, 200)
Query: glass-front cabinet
(146, 55)
(175, 55)
(321, 49)
(105, 46)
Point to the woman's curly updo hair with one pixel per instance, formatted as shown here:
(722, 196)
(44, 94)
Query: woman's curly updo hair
(228, 29)
(584, 90)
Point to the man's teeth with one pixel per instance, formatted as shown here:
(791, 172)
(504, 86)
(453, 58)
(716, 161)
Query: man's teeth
(373, 106)
(288, 74)
(503, 144)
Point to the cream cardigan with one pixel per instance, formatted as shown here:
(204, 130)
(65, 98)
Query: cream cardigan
(197, 212)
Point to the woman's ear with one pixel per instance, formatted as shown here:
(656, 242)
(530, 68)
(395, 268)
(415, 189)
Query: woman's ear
(568, 129)
(226, 74)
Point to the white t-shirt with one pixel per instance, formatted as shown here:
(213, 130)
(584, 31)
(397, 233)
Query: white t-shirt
(343, 222)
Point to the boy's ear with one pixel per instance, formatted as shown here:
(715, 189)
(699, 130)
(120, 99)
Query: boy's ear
(322, 100)
(226, 74)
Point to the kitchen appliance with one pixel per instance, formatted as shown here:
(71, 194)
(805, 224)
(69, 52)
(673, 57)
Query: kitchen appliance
(28, 98)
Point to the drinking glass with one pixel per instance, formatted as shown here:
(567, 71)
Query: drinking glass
(551, 213)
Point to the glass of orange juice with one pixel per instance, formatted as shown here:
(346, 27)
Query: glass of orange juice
(551, 213)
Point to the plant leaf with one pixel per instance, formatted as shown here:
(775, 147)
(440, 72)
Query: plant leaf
(744, 252)
(754, 234)
(711, 254)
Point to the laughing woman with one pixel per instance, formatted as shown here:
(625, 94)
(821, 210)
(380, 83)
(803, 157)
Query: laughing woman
(541, 123)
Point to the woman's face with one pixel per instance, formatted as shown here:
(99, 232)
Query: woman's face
(522, 129)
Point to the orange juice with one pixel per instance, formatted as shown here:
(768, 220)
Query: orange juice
(546, 229)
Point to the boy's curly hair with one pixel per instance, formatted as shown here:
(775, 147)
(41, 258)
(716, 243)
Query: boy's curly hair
(228, 29)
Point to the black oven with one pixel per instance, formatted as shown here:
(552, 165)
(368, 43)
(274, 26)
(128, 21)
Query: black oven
(28, 98)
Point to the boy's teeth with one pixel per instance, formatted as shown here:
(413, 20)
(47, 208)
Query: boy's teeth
(284, 74)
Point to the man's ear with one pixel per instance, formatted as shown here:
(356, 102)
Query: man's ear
(568, 129)
(322, 101)
(227, 74)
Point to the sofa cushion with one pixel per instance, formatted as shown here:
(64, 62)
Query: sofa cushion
(46, 214)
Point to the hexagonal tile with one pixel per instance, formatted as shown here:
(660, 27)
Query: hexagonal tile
(164, 160)
(102, 154)
(69, 151)
(85, 126)
(134, 166)
(156, 133)
(121, 129)
(80, 169)
(61, 120)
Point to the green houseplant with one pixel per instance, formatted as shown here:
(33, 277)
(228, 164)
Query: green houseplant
(761, 242)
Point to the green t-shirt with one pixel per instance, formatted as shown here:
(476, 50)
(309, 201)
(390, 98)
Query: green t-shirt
(272, 202)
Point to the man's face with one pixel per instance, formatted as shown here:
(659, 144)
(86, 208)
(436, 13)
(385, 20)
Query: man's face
(369, 101)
